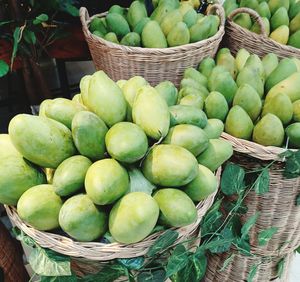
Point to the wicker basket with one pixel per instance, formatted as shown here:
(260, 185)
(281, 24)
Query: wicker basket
(154, 64)
(238, 37)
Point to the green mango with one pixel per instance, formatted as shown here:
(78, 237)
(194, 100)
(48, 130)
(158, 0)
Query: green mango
(294, 10)
(243, 20)
(77, 99)
(214, 73)
(269, 131)
(160, 12)
(293, 133)
(188, 136)
(190, 91)
(170, 20)
(84, 89)
(217, 152)
(150, 111)
(6, 146)
(296, 110)
(117, 24)
(263, 10)
(270, 63)
(255, 63)
(297, 63)
(294, 40)
(281, 34)
(173, 3)
(39, 206)
(43, 107)
(215, 23)
(176, 208)
(106, 181)
(81, 219)
(196, 84)
(105, 99)
(200, 31)
(69, 176)
(112, 37)
(216, 106)
(279, 18)
(134, 143)
(179, 35)
(136, 12)
(140, 25)
(88, 132)
(131, 39)
(168, 91)
(181, 114)
(274, 5)
(225, 59)
(256, 27)
(131, 225)
(190, 18)
(195, 75)
(229, 6)
(153, 37)
(41, 140)
(202, 186)
(284, 69)
(192, 100)
(118, 10)
(241, 58)
(121, 83)
(206, 66)
(214, 128)
(238, 123)
(281, 106)
(185, 7)
(97, 25)
(170, 166)
(252, 4)
(98, 33)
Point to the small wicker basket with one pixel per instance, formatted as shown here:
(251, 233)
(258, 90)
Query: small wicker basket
(238, 37)
(154, 64)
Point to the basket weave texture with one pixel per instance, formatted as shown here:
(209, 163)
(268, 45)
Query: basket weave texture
(238, 37)
(154, 64)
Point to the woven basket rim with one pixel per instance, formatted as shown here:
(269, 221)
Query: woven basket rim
(86, 19)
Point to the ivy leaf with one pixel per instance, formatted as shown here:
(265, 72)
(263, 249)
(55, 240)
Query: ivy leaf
(298, 250)
(292, 166)
(249, 224)
(106, 274)
(232, 181)
(280, 267)
(70, 9)
(21, 236)
(227, 261)
(177, 261)
(262, 182)
(166, 240)
(298, 200)
(225, 234)
(71, 278)
(152, 276)
(132, 263)
(243, 246)
(4, 68)
(40, 19)
(29, 36)
(252, 272)
(16, 36)
(265, 235)
(212, 245)
(49, 263)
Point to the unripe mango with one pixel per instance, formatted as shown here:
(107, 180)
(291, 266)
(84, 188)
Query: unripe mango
(117, 24)
(293, 133)
(192, 100)
(136, 12)
(214, 128)
(168, 91)
(179, 35)
(296, 110)
(170, 20)
(241, 59)
(216, 106)
(153, 37)
(281, 34)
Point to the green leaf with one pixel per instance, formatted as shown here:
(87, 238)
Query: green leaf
(243, 246)
(232, 181)
(5, 22)
(225, 234)
(70, 9)
(265, 235)
(29, 36)
(213, 245)
(21, 236)
(298, 250)
(132, 263)
(177, 261)
(227, 261)
(166, 240)
(16, 36)
(280, 267)
(252, 272)
(108, 273)
(138, 182)
(49, 263)
(249, 224)
(230, 205)
(40, 19)
(262, 182)
(292, 165)
(298, 200)
(71, 278)
(4, 68)
(152, 276)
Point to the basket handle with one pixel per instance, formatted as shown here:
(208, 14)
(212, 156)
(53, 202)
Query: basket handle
(84, 17)
(217, 8)
(253, 14)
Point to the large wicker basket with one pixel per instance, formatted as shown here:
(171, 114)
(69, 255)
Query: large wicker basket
(238, 37)
(154, 64)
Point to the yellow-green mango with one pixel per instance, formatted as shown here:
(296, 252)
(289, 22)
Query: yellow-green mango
(263, 10)
(173, 3)
(118, 10)
(238, 123)
(150, 111)
(225, 59)
(241, 58)
(97, 25)
(190, 18)
(140, 25)
(214, 73)
(195, 75)
(256, 27)
(153, 37)
(188, 136)
(70, 174)
(88, 132)
(131, 39)
(293, 133)
(279, 18)
(106, 181)
(229, 6)
(136, 12)
(255, 63)
(170, 20)
(43, 106)
(281, 34)
(133, 217)
(202, 186)
(176, 208)
(168, 91)
(294, 9)
(294, 39)
(112, 37)
(247, 98)
(179, 35)
(243, 20)
(185, 7)
(77, 99)
(192, 83)
(252, 4)
(192, 100)
(217, 152)
(117, 24)
(274, 5)
(105, 99)
(84, 89)
(121, 83)
(81, 219)
(188, 91)
(296, 110)
(170, 166)
(216, 106)
(270, 63)
(41, 140)
(215, 22)
(160, 12)
(269, 131)
(297, 63)
(206, 66)
(39, 206)
(200, 30)
(214, 128)
(6, 146)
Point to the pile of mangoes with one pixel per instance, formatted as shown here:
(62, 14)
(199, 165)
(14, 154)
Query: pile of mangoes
(120, 156)
(281, 18)
(172, 23)
(257, 99)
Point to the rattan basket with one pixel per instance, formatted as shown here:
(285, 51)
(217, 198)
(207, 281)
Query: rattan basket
(238, 37)
(154, 64)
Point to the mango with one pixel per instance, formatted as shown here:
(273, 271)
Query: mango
(42, 141)
(77, 99)
(112, 37)
(6, 146)
(117, 24)
(43, 107)
(214, 128)
(136, 12)
(190, 18)
(215, 22)
(270, 63)
(81, 219)
(131, 39)
(192, 83)
(263, 10)
(256, 28)
(118, 10)
(121, 83)
(181, 114)
(202, 186)
(84, 89)
(293, 134)
(70, 174)
(88, 132)
(252, 4)
(168, 91)
(243, 20)
(294, 39)
(176, 208)
(225, 59)
(188, 91)
(217, 152)
(294, 9)
(172, 3)
(274, 5)
(297, 63)
(153, 37)
(49, 172)
(254, 63)
(214, 73)
(140, 25)
(247, 98)
(170, 166)
(206, 66)
(188, 136)
(106, 181)
(279, 18)
(229, 6)
(161, 11)
(200, 30)
(97, 25)
(170, 20)
(185, 7)
(195, 75)
(179, 35)
(126, 142)
(133, 217)
(216, 106)
(241, 58)
(269, 131)
(98, 33)
(39, 206)
(192, 100)
(296, 110)
(281, 34)
(105, 99)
